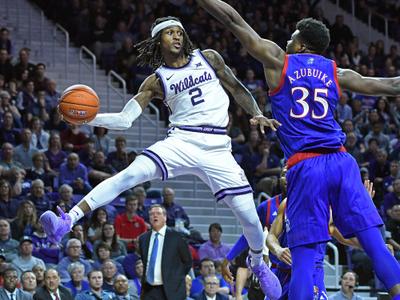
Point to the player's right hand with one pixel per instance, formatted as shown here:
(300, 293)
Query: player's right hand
(285, 256)
(265, 122)
(226, 272)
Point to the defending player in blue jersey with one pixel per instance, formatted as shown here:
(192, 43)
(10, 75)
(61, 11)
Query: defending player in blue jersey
(305, 89)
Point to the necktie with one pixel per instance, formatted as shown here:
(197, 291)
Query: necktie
(56, 296)
(152, 262)
(12, 296)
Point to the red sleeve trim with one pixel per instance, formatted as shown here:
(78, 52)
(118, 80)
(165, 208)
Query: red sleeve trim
(336, 78)
(283, 75)
(268, 213)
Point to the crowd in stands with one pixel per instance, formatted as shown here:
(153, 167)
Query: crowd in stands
(45, 162)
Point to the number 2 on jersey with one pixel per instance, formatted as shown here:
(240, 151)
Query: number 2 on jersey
(197, 93)
(306, 108)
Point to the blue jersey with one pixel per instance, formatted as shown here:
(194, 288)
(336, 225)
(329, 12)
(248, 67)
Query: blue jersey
(268, 210)
(305, 103)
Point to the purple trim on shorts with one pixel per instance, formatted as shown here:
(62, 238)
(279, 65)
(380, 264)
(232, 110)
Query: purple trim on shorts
(241, 190)
(204, 129)
(158, 161)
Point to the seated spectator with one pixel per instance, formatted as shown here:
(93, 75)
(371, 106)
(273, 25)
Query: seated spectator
(43, 248)
(25, 260)
(38, 171)
(86, 154)
(118, 159)
(141, 195)
(40, 138)
(77, 284)
(52, 288)
(99, 170)
(8, 132)
(40, 78)
(75, 174)
(25, 222)
(77, 232)
(52, 95)
(207, 267)
(73, 251)
(348, 281)
(95, 224)
(55, 122)
(103, 254)
(352, 147)
(102, 141)
(109, 236)
(96, 291)
(29, 104)
(6, 68)
(109, 270)
(24, 64)
(7, 105)
(136, 282)
(128, 225)
(175, 212)
(377, 133)
(55, 155)
(28, 282)
(65, 193)
(211, 287)
(343, 110)
(394, 174)
(8, 205)
(8, 245)
(10, 286)
(214, 248)
(38, 196)
(393, 226)
(7, 157)
(38, 270)
(392, 198)
(122, 289)
(72, 138)
(23, 153)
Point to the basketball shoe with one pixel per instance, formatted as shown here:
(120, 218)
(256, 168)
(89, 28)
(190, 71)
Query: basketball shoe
(55, 227)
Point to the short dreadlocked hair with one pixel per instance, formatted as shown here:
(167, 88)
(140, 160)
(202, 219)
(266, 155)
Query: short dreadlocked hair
(150, 50)
(314, 34)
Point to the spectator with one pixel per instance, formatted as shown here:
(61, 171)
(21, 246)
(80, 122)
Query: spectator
(99, 170)
(103, 254)
(24, 64)
(8, 133)
(175, 212)
(55, 122)
(125, 59)
(96, 292)
(214, 249)
(343, 110)
(29, 104)
(28, 282)
(73, 249)
(8, 105)
(118, 159)
(211, 287)
(23, 153)
(38, 196)
(65, 193)
(207, 267)
(6, 68)
(94, 227)
(72, 138)
(40, 79)
(348, 282)
(128, 225)
(55, 155)
(10, 290)
(25, 260)
(40, 137)
(77, 232)
(253, 85)
(109, 270)
(141, 195)
(122, 290)
(52, 95)
(43, 248)
(8, 245)
(188, 283)
(39, 171)
(109, 236)
(38, 270)
(102, 140)
(77, 284)
(8, 205)
(394, 174)
(383, 139)
(52, 288)
(392, 198)
(393, 226)
(136, 282)
(25, 222)
(352, 147)
(340, 32)
(75, 174)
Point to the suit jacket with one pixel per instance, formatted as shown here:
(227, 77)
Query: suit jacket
(175, 264)
(21, 295)
(202, 296)
(43, 294)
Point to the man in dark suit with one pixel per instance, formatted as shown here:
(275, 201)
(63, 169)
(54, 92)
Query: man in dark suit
(52, 290)
(211, 286)
(122, 290)
(166, 259)
(10, 290)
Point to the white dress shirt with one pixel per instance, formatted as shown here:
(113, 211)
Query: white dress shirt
(13, 293)
(53, 295)
(157, 270)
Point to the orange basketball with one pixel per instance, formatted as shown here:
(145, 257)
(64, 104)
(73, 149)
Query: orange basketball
(79, 104)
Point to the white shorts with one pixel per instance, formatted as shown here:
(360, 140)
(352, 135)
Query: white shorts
(206, 155)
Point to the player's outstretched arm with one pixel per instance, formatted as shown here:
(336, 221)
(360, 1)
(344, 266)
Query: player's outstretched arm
(353, 81)
(149, 90)
(272, 239)
(240, 93)
(266, 51)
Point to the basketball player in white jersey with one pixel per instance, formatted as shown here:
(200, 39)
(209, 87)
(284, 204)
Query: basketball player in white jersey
(191, 83)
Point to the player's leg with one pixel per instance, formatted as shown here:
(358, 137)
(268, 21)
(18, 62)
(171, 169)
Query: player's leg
(140, 170)
(385, 265)
(244, 209)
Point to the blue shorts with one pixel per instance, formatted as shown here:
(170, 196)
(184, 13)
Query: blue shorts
(326, 180)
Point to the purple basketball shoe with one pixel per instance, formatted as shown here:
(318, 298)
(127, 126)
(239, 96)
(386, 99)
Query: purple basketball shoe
(55, 227)
(269, 283)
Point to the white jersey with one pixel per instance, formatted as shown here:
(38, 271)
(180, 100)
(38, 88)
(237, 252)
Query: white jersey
(194, 94)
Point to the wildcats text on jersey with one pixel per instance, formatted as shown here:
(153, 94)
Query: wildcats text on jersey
(189, 82)
(308, 72)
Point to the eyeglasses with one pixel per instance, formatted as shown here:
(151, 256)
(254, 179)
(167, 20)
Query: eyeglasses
(212, 283)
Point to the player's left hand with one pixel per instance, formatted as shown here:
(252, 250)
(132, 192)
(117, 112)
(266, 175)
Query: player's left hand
(370, 187)
(263, 121)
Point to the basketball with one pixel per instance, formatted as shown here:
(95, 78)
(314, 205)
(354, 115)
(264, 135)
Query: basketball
(79, 104)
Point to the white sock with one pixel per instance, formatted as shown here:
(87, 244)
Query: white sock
(76, 213)
(256, 258)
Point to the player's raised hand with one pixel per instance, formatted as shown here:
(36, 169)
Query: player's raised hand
(370, 187)
(265, 122)
(285, 256)
(226, 272)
